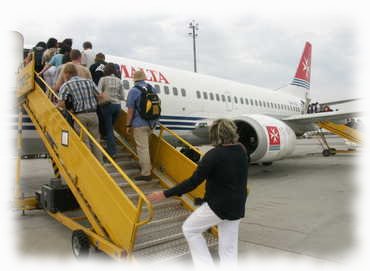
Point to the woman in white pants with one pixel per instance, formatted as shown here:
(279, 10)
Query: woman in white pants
(225, 169)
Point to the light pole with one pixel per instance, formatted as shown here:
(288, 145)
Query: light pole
(195, 27)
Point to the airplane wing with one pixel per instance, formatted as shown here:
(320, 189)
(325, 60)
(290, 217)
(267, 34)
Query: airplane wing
(342, 101)
(307, 122)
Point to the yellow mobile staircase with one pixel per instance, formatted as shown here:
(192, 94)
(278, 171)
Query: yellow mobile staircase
(341, 130)
(114, 214)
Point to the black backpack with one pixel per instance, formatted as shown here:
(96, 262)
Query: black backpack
(38, 52)
(150, 104)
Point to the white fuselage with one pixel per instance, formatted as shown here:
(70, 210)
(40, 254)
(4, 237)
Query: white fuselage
(206, 97)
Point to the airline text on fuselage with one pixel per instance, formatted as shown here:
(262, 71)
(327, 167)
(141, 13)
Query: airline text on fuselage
(151, 75)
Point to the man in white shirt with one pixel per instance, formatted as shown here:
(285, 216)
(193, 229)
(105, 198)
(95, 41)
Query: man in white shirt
(88, 55)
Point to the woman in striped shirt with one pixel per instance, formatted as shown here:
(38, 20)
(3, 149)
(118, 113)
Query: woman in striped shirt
(111, 92)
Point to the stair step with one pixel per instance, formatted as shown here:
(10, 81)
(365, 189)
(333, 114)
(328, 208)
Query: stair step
(159, 237)
(164, 204)
(134, 196)
(158, 206)
(129, 172)
(169, 251)
(123, 163)
(166, 215)
(143, 184)
(150, 233)
(123, 154)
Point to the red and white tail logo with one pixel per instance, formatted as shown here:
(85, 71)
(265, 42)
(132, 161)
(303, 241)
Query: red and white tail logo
(303, 73)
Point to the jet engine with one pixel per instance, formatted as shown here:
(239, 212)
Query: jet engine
(267, 139)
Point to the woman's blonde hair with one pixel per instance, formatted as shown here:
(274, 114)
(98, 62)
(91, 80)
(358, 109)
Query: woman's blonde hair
(223, 131)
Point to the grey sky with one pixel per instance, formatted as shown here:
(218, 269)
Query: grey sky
(249, 48)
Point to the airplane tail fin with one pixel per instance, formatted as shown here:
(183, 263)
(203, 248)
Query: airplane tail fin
(300, 84)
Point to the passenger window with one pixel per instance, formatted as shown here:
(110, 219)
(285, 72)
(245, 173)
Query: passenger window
(260, 103)
(251, 102)
(229, 99)
(241, 100)
(198, 94)
(255, 102)
(183, 92)
(126, 84)
(211, 96)
(264, 104)
(217, 97)
(175, 91)
(246, 101)
(235, 99)
(205, 95)
(223, 98)
(158, 88)
(166, 90)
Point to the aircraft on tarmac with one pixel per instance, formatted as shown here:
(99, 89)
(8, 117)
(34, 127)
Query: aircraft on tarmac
(268, 120)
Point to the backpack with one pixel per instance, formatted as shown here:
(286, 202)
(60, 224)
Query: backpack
(150, 104)
(38, 51)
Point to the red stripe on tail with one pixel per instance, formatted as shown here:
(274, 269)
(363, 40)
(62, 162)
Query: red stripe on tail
(304, 68)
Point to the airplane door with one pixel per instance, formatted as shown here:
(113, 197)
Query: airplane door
(228, 101)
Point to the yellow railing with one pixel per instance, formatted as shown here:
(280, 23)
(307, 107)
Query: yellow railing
(172, 162)
(83, 131)
(165, 157)
(342, 130)
(110, 211)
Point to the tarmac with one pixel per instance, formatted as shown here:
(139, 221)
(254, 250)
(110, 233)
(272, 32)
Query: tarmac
(300, 207)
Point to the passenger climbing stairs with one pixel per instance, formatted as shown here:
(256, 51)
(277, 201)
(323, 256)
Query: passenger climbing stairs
(162, 238)
(111, 211)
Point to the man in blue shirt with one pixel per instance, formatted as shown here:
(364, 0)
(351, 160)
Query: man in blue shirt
(141, 128)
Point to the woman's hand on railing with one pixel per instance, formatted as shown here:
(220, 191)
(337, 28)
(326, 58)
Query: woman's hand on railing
(156, 196)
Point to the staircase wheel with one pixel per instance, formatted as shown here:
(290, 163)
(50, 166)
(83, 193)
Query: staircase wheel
(333, 151)
(80, 244)
(326, 152)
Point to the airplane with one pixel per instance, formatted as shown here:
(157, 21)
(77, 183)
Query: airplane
(268, 120)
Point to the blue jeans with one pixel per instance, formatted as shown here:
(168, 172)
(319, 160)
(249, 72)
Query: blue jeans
(110, 114)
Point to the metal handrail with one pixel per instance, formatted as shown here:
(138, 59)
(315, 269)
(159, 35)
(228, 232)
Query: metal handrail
(114, 164)
(162, 127)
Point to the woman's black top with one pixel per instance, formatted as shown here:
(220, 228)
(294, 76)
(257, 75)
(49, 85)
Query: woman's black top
(225, 168)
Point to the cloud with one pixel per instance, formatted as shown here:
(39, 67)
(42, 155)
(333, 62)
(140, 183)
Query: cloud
(250, 49)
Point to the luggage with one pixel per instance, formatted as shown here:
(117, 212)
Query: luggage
(57, 197)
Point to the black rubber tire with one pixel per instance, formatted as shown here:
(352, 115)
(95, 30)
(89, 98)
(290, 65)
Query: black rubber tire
(326, 153)
(80, 244)
(333, 151)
